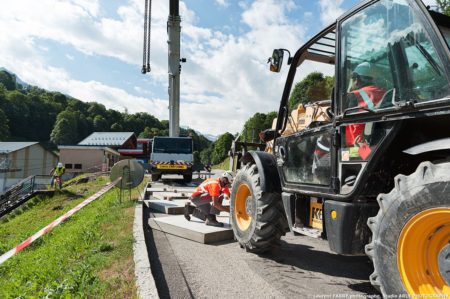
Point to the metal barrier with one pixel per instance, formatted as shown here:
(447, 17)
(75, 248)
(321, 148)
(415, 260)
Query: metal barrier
(22, 191)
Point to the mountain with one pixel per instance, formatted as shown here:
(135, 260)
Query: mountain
(210, 137)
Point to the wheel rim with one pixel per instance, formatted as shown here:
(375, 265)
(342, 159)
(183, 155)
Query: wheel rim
(423, 242)
(241, 207)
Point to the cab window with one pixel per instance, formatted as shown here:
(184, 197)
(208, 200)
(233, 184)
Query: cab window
(387, 57)
(308, 159)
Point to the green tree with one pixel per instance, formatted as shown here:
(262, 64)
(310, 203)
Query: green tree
(96, 109)
(63, 133)
(147, 133)
(313, 87)
(255, 124)
(84, 126)
(100, 124)
(4, 129)
(444, 6)
(8, 80)
(65, 130)
(139, 121)
(200, 141)
(221, 147)
(18, 113)
(205, 156)
(196, 157)
(116, 127)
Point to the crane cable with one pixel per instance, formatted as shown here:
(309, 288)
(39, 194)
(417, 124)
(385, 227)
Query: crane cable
(147, 34)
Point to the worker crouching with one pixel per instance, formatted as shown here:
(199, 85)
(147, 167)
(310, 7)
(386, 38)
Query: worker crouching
(211, 191)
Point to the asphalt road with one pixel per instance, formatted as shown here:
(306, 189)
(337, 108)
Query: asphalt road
(302, 267)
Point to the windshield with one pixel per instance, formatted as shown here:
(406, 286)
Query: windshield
(172, 145)
(387, 57)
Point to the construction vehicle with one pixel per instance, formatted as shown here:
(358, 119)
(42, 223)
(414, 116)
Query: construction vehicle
(171, 155)
(384, 192)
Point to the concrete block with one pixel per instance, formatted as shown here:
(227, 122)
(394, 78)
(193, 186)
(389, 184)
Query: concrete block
(165, 206)
(194, 230)
(171, 195)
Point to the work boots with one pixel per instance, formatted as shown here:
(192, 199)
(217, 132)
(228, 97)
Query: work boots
(211, 220)
(188, 210)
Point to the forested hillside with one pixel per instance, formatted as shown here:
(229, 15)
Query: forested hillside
(29, 113)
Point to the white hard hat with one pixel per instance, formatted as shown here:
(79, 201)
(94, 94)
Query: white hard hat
(365, 69)
(228, 175)
(60, 164)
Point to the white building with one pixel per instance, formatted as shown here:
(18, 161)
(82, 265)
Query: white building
(19, 160)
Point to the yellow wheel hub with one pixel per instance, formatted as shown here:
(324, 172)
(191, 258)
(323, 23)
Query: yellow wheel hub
(422, 247)
(242, 207)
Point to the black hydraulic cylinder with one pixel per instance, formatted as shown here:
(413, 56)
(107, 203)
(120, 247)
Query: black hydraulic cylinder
(174, 8)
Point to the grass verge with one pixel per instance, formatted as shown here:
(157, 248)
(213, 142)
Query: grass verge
(88, 255)
(225, 164)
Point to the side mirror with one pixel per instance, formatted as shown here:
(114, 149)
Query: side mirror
(276, 60)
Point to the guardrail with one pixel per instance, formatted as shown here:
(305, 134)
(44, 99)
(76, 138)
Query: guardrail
(22, 191)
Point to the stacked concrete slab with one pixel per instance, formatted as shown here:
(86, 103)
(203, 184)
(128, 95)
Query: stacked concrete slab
(171, 200)
(167, 199)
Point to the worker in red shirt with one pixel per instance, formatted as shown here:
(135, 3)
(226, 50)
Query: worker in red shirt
(363, 93)
(210, 191)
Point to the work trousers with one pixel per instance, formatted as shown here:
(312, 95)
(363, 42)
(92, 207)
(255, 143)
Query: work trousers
(203, 203)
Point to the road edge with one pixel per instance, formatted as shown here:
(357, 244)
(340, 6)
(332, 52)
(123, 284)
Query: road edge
(144, 278)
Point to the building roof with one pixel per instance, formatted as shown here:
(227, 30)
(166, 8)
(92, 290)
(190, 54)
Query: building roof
(8, 147)
(107, 138)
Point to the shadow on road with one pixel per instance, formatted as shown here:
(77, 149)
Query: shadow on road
(307, 258)
(306, 261)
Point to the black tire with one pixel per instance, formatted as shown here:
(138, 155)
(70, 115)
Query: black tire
(187, 178)
(266, 221)
(424, 191)
(155, 177)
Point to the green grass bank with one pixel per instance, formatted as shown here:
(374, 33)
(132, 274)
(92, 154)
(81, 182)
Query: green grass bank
(90, 255)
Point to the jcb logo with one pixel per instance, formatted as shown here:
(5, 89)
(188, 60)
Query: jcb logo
(317, 214)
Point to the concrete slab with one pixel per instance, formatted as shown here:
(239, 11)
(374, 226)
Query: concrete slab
(165, 206)
(171, 195)
(194, 230)
(171, 189)
(156, 189)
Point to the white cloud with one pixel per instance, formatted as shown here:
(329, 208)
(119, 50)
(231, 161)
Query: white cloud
(225, 81)
(330, 11)
(429, 2)
(223, 3)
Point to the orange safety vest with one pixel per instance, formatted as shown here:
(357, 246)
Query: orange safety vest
(210, 188)
(367, 97)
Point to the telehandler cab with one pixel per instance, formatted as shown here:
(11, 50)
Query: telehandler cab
(373, 176)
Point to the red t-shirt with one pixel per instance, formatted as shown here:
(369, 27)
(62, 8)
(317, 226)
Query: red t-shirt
(211, 187)
(375, 94)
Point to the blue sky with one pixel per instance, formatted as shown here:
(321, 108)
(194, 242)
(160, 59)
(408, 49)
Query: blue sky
(92, 50)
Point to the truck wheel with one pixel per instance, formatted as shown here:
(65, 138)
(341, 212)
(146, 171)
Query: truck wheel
(410, 246)
(187, 178)
(155, 177)
(257, 217)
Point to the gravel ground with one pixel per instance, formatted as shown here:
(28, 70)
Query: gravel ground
(302, 267)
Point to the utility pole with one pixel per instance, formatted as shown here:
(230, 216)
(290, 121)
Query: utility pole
(173, 31)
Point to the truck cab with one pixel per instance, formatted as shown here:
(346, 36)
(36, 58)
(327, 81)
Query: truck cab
(171, 155)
